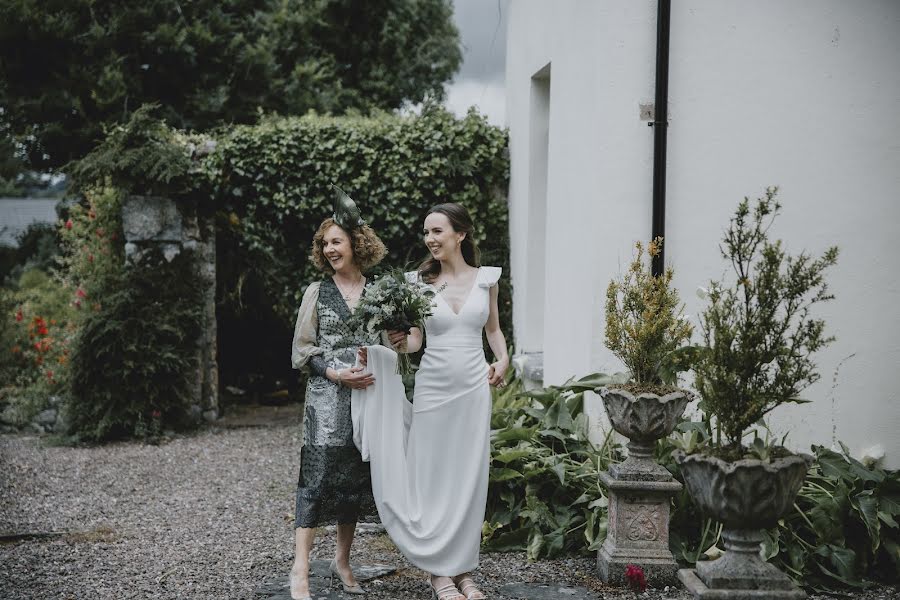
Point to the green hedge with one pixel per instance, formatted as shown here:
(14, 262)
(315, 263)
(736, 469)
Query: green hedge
(273, 182)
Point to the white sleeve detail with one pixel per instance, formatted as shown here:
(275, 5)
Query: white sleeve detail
(488, 276)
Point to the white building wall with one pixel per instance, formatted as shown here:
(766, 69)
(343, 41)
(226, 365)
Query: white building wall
(804, 95)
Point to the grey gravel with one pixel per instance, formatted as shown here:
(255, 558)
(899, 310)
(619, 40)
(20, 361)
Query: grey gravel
(206, 516)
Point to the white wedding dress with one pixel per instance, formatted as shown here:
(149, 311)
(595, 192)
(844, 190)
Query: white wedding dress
(430, 459)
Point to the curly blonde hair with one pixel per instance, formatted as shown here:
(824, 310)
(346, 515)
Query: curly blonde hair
(368, 249)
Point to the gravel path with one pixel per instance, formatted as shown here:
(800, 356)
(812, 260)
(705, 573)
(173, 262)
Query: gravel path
(202, 516)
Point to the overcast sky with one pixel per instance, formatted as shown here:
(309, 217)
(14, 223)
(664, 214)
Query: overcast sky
(479, 82)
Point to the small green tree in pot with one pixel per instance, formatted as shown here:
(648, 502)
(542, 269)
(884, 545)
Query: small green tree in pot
(645, 324)
(759, 336)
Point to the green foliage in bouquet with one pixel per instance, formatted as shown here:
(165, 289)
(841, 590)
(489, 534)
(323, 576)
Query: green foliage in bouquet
(758, 332)
(644, 319)
(393, 303)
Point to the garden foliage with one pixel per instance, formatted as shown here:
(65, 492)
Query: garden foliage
(544, 495)
(134, 359)
(545, 499)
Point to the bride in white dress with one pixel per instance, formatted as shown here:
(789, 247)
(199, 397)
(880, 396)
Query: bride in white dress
(430, 460)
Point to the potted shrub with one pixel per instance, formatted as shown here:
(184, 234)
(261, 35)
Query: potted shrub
(759, 336)
(644, 325)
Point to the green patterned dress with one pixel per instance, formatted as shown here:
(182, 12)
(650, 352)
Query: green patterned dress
(334, 485)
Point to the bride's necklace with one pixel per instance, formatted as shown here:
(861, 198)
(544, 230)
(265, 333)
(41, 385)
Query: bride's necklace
(348, 295)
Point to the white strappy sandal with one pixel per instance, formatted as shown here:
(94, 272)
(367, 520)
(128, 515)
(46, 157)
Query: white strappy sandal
(447, 592)
(468, 589)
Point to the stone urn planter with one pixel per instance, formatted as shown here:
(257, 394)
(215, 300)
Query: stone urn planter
(747, 496)
(640, 490)
(643, 419)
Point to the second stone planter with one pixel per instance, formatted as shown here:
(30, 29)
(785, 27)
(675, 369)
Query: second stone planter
(746, 496)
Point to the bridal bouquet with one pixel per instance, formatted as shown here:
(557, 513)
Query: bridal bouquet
(393, 303)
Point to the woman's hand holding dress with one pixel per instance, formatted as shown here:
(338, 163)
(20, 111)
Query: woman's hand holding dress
(354, 378)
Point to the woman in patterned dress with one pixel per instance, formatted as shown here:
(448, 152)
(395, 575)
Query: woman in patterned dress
(334, 483)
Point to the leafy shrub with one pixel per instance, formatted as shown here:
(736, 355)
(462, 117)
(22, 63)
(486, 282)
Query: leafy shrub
(843, 529)
(133, 358)
(758, 333)
(38, 248)
(544, 494)
(36, 331)
(644, 318)
(93, 252)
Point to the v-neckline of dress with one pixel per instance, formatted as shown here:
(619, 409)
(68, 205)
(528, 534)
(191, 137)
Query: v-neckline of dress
(346, 305)
(468, 295)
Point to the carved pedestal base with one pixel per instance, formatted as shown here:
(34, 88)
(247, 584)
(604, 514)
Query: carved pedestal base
(740, 574)
(638, 532)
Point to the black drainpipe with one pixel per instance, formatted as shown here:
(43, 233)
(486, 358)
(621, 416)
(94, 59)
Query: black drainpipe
(660, 126)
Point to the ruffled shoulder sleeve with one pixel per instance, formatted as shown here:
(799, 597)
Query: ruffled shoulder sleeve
(489, 276)
(306, 329)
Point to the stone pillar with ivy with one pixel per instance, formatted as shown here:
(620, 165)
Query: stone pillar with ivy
(156, 226)
(145, 361)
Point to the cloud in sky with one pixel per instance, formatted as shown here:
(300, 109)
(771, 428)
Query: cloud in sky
(480, 80)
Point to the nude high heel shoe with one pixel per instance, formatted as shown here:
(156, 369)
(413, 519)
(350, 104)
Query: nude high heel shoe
(348, 589)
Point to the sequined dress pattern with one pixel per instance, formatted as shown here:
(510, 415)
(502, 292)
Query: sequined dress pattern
(334, 485)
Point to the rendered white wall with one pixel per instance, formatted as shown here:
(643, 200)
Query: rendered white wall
(805, 95)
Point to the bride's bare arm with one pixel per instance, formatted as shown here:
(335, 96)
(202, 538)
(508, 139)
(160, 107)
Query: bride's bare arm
(497, 342)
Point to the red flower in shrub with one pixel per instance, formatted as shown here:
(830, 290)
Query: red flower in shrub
(635, 577)
(43, 330)
(91, 258)
(49, 374)
(81, 293)
(19, 315)
(69, 224)
(77, 304)
(156, 414)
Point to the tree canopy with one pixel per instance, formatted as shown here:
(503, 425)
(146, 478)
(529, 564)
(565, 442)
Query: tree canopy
(70, 68)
